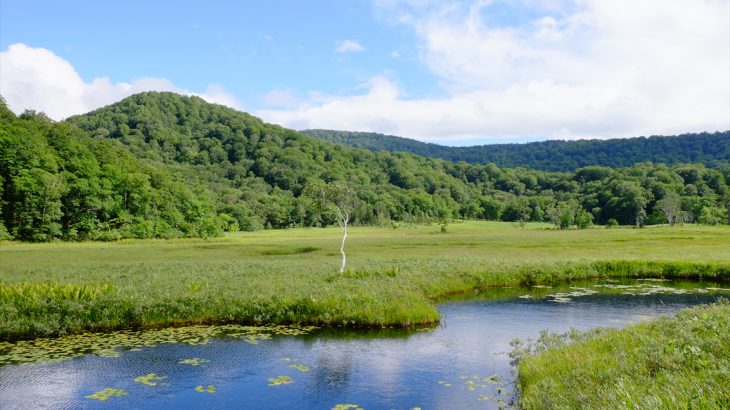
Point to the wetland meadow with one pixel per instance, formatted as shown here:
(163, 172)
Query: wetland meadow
(421, 318)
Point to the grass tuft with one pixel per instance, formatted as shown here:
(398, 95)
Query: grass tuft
(670, 362)
(295, 251)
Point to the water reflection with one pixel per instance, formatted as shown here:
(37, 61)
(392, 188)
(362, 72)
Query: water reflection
(460, 364)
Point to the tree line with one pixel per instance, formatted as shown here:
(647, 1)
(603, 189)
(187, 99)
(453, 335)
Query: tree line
(710, 149)
(165, 165)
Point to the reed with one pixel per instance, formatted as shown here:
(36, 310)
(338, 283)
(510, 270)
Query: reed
(395, 276)
(667, 363)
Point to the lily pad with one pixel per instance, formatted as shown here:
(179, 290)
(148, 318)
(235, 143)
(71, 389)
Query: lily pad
(300, 367)
(105, 394)
(52, 350)
(280, 380)
(149, 379)
(107, 353)
(206, 389)
(195, 361)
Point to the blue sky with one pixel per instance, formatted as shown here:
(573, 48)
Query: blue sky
(456, 72)
(250, 47)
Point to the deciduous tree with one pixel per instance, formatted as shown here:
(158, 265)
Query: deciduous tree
(340, 200)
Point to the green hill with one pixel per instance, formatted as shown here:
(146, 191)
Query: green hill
(166, 165)
(58, 182)
(706, 148)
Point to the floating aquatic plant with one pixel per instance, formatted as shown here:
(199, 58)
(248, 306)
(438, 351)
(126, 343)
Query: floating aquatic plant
(206, 389)
(300, 367)
(52, 350)
(280, 380)
(494, 379)
(107, 353)
(475, 381)
(565, 297)
(149, 379)
(106, 393)
(347, 407)
(195, 361)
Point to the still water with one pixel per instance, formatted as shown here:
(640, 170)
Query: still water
(460, 364)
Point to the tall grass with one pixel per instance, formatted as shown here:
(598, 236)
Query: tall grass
(668, 363)
(394, 277)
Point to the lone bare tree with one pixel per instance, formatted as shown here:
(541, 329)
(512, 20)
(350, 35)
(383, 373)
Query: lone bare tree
(338, 198)
(671, 205)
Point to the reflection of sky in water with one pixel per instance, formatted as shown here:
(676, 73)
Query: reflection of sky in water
(397, 370)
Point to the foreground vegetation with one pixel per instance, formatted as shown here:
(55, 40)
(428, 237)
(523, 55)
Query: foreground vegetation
(161, 165)
(290, 276)
(669, 363)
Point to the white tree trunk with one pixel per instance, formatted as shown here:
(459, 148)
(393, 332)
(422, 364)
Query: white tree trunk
(342, 248)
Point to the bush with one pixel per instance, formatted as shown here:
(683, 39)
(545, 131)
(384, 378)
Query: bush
(584, 219)
(4, 234)
(611, 223)
(711, 216)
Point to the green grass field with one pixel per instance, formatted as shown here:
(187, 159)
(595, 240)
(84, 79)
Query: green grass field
(291, 276)
(668, 363)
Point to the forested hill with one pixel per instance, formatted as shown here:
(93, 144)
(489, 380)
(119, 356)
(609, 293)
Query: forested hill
(705, 148)
(166, 165)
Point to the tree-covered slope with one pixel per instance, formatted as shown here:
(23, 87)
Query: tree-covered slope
(705, 148)
(57, 182)
(257, 171)
(166, 165)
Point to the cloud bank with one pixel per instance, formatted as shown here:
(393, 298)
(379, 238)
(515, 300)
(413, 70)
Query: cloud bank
(583, 68)
(559, 69)
(38, 79)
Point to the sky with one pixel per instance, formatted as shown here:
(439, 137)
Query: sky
(458, 72)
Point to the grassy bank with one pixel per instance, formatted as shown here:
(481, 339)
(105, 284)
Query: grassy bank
(291, 276)
(668, 363)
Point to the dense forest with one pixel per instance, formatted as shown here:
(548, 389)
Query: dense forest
(705, 148)
(165, 165)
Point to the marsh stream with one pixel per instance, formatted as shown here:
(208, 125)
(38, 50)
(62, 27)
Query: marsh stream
(460, 364)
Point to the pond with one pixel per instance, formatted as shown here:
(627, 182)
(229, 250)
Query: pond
(460, 364)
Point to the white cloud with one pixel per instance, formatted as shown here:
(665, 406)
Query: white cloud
(38, 79)
(581, 68)
(280, 98)
(348, 46)
(216, 93)
(383, 108)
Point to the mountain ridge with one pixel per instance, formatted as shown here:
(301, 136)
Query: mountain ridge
(554, 155)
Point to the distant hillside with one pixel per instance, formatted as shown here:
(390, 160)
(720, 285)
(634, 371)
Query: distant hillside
(166, 165)
(706, 148)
